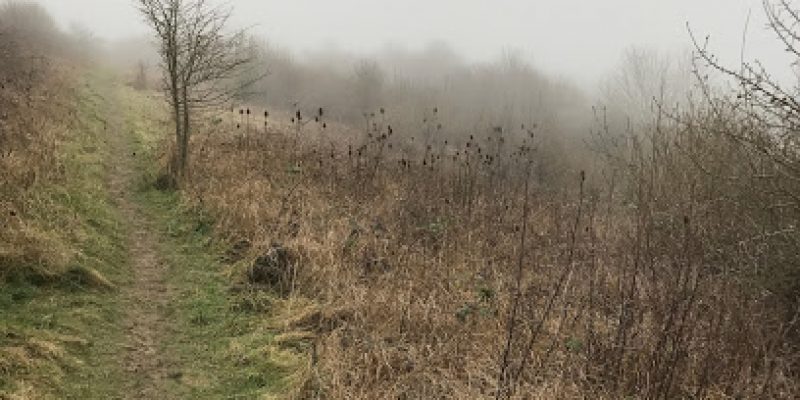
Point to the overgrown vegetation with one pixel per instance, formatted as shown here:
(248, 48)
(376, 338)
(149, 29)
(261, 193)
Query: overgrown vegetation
(425, 265)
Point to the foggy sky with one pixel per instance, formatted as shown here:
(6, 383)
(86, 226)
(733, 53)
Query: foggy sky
(577, 39)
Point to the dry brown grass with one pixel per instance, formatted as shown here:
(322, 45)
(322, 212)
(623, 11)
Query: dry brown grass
(406, 274)
(34, 123)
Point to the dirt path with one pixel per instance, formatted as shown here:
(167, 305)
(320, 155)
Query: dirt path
(148, 294)
(179, 333)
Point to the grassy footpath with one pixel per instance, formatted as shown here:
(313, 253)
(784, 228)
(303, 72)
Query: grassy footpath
(224, 349)
(63, 339)
(223, 345)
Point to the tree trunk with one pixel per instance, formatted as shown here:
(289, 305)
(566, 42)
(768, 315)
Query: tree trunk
(175, 165)
(172, 54)
(184, 144)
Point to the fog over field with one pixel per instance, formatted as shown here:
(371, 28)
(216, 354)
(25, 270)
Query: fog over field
(578, 39)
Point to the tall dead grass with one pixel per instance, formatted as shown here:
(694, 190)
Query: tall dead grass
(34, 117)
(474, 270)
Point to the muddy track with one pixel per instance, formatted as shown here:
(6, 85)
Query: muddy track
(147, 296)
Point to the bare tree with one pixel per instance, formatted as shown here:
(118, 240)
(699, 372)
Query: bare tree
(645, 79)
(770, 102)
(200, 61)
(761, 127)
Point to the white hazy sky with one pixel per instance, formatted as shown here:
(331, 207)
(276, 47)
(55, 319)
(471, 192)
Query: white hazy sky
(578, 39)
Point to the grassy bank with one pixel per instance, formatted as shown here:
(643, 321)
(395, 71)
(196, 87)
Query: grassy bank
(56, 330)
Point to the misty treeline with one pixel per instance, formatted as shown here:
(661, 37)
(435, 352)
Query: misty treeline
(433, 98)
(30, 34)
(411, 83)
(430, 94)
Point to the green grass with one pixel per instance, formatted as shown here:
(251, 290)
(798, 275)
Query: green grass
(63, 333)
(225, 351)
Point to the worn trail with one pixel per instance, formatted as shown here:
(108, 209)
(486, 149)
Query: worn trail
(148, 294)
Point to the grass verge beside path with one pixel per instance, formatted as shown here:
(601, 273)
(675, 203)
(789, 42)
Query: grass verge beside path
(59, 337)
